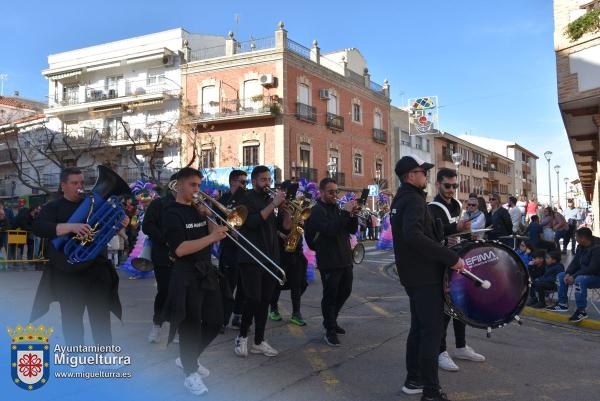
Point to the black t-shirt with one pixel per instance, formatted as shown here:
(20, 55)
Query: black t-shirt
(184, 223)
(52, 214)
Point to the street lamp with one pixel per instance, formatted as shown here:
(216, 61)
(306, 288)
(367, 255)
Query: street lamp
(557, 169)
(566, 183)
(457, 159)
(548, 155)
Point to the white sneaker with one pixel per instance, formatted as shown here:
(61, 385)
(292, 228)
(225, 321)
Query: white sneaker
(154, 336)
(241, 346)
(195, 384)
(176, 338)
(202, 371)
(469, 354)
(264, 348)
(446, 363)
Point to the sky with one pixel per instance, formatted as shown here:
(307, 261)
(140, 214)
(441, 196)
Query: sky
(491, 64)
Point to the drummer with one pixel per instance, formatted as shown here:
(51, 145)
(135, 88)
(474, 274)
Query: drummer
(447, 210)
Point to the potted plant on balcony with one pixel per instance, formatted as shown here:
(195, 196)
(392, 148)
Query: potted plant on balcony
(257, 98)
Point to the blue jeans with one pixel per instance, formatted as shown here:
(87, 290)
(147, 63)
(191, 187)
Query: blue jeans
(582, 283)
(557, 237)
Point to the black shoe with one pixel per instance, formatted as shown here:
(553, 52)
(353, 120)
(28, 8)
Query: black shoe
(578, 316)
(339, 331)
(438, 397)
(532, 301)
(539, 305)
(331, 339)
(411, 387)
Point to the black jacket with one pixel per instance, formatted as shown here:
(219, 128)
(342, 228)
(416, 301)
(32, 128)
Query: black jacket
(153, 228)
(229, 250)
(333, 227)
(24, 219)
(421, 259)
(438, 213)
(586, 261)
(501, 224)
(261, 232)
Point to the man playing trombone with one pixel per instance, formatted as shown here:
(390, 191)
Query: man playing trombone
(260, 229)
(194, 306)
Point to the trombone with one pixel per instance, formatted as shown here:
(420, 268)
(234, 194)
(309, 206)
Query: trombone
(234, 219)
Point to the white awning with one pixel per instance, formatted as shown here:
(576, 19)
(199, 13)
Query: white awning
(66, 74)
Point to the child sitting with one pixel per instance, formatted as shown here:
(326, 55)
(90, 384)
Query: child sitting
(536, 268)
(547, 282)
(525, 250)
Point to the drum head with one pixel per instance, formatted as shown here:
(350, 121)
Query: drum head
(497, 305)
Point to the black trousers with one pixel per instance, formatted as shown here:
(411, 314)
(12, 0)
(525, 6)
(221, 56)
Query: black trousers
(162, 274)
(540, 288)
(91, 293)
(426, 330)
(294, 265)
(570, 237)
(231, 271)
(337, 287)
(258, 289)
(195, 334)
(459, 333)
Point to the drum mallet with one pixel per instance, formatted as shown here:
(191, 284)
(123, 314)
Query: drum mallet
(485, 284)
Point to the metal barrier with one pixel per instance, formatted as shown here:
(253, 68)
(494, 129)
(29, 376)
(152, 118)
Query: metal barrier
(14, 243)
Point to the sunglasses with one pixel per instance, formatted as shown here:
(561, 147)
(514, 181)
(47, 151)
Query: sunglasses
(448, 186)
(472, 204)
(492, 199)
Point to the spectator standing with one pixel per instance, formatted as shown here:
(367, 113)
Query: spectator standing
(573, 216)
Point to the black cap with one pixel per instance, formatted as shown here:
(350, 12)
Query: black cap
(408, 163)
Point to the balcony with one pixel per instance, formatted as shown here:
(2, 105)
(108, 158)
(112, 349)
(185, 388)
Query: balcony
(340, 178)
(131, 174)
(335, 122)
(379, 135)
(6, 188)
(493, 175)
(6, 153)
(257, 107)
(309, 174)
(526, 186)
(526, 169)
(51, 180)
(85, 97)
(306, 112)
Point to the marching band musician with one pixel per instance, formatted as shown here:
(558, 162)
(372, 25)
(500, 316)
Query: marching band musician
(260, 229)
(228, 264)
(328, 230)
(152, 227)
(421, 261)
(76, 286)
(194, 305)
(294, 263)
(447, 210)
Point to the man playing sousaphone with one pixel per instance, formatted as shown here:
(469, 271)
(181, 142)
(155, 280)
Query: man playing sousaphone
(76, 286)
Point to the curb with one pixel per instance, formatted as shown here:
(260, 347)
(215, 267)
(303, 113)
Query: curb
(560, 318)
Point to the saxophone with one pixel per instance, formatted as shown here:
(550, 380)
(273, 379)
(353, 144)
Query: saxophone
(298, 213)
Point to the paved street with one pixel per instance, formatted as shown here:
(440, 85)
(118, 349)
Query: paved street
(536, 361)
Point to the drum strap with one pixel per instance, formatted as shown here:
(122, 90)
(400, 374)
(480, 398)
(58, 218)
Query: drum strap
(445, 209)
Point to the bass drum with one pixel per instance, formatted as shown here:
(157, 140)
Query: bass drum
(503, 301)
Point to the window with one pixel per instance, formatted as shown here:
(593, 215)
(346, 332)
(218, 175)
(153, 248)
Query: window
(112, 85)
(70, 93)
(334, 161)
(210, 100)
(377, 121)
(155, 77)
(379, 169)
(253, 93)
(207, 158)
(113, 128)
(356, 112)
(70, 127)
(428, 143)
(418, 142)
(358, 163)
(304, 155)
(303, 94)
(250, 157)
(405, 139)
(332, 104)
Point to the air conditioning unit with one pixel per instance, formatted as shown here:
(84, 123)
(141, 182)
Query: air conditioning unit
(168, 59)
(324, 94)
(267, 80)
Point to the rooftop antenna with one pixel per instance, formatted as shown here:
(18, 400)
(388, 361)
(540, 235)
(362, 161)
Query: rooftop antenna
(236, 17)
(3, 77)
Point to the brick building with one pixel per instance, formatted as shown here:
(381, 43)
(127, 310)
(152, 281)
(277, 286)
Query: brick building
(273, 101)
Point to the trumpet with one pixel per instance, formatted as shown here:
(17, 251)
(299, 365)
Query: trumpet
(233, 220)
(293, 207)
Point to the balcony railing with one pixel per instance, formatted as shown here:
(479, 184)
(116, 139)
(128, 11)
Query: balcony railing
(340, 178)
(131, 174)
(208, 52)
(298, 49)
(379, 135)
(5, 154)
(51, 180)
(227, 109)
(335, 122)
(122, 88)
(255, 45)
(309, 174)
(306, 112)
